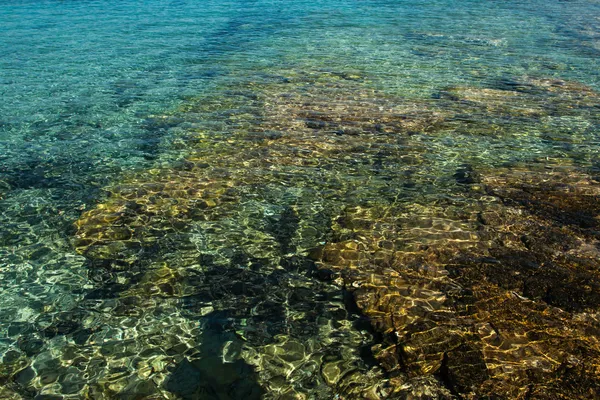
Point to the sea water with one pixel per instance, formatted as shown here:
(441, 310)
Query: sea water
(178, 180)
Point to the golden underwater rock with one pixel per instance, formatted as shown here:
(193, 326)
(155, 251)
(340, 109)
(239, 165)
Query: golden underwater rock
(491, 293)
(527, 97)
(308, 139)
(138, 213)
(524, 108)
(513, 315)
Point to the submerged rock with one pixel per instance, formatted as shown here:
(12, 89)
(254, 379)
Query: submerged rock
(499, 315)
(321, 199)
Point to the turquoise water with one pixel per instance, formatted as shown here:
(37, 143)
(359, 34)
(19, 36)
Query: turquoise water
(103, 99)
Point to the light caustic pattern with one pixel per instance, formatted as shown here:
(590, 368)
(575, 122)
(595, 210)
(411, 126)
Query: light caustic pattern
(324, 199)
(470, 274)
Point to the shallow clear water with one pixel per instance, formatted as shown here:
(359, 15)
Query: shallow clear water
(231, 199)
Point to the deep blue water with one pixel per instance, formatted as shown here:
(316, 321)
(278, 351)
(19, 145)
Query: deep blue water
(94, 93)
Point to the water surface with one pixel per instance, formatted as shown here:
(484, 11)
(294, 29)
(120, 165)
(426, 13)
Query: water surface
(267, 199)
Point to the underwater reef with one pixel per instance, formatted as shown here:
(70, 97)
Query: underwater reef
(319, 238)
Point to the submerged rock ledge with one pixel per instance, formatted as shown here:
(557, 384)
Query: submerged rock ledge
(328, 239)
